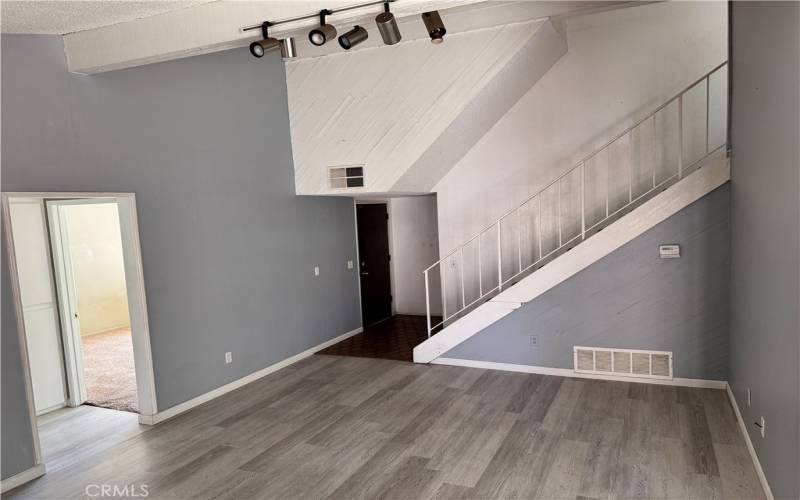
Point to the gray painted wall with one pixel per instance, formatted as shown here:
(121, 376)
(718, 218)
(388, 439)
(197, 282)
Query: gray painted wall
(765, 232)
(15, 432)
(228, 249)
(632, 299)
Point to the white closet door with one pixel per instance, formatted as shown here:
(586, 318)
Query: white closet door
(39, 306)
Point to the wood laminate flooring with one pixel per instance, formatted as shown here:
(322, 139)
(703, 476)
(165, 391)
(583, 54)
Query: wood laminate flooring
(348, 427)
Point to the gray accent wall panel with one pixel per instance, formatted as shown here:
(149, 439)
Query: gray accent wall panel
(765, 232)
(228, 249)
(632, 299)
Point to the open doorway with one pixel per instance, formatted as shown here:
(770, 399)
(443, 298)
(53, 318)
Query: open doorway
(397, 239)
(78, 292)
(89, 269)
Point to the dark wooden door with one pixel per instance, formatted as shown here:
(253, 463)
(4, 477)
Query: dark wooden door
(373, 252)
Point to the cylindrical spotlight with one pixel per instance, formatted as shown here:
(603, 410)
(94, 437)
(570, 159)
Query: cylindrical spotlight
(387, 25)
(261, 47)
(434, 25)
(325, 32)
(288, 50)
(318, 36)
(353, 37)
(268, 44)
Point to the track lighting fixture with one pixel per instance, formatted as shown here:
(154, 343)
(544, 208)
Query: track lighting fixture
(434, 25)
(261, 47)
(325, 32)
(353, 37)
(288, 50)
(387, 25)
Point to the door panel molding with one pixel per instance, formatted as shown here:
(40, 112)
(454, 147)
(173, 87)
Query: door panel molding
(39, 303)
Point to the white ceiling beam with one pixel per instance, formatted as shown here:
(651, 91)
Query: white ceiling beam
(211, 27)
(217, 26)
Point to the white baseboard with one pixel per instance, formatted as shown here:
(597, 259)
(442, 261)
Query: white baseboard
(203, 398)
(22, 478)
(566, 372)
(742, 427)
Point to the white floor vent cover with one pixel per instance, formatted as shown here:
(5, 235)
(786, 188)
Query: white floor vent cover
(623, 362)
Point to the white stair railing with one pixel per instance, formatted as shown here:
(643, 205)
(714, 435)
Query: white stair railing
(636, 164)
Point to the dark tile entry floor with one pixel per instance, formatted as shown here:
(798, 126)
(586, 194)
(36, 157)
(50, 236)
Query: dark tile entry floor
(394, 339)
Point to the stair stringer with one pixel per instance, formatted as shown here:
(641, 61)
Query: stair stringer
(714, 173)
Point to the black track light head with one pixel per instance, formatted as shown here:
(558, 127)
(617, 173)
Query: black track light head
(387, 25)
(268, 44)
(353, 37)
(434, 25)
(324, 33)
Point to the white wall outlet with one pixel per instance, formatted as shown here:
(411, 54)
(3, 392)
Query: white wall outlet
(316, 270)
(228, 358)
(349, 264)
(763, 427)
(534, 341)
(749, 399)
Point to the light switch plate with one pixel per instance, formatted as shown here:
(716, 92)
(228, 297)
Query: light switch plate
(349, 264)
(316, 270)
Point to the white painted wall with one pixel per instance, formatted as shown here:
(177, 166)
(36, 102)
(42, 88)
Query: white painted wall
(620, 66)
(98, 266)
(385, 107)
(39, 305)
(415, 245)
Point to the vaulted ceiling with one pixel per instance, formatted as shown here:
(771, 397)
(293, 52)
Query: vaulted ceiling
(113, 34)
(47, 17)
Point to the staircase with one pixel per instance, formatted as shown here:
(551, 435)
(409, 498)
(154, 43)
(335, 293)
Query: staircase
(664, 162)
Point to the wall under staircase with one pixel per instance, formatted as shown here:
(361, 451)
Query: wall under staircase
(650, 171)
(711, 174)
(631, 299)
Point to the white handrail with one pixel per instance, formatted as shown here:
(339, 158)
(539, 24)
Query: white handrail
(559, 236)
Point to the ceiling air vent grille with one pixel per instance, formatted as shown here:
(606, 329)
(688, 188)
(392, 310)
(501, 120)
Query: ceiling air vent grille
(625, 362)
(346, 177)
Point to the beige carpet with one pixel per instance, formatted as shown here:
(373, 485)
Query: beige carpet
(109, 371)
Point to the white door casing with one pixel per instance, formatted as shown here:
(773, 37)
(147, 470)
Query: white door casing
(134, 279)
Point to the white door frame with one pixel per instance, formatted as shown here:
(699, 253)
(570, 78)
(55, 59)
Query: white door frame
(137, 302)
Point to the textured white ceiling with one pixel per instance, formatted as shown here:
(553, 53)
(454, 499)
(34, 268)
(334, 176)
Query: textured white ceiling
(68, 16)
